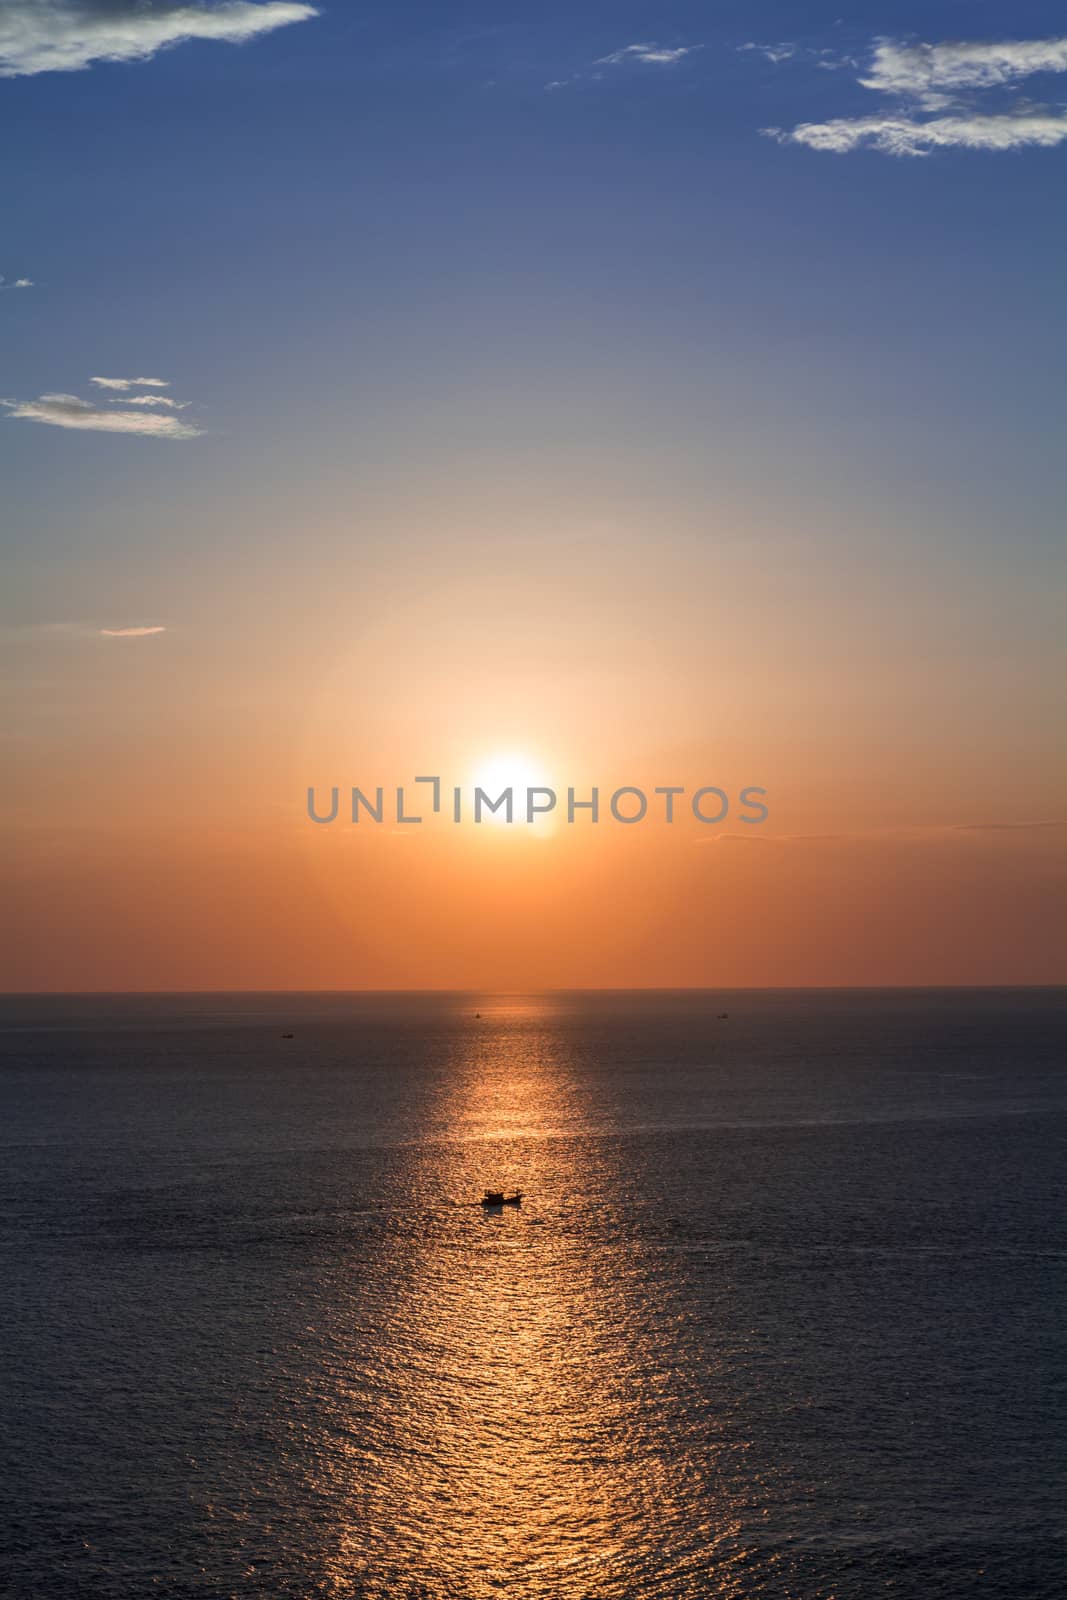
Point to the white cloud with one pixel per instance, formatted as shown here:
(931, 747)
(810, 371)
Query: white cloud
(130, 633)
(903, 136)
(66, 35)
(131, 383)
(916, 70)
(17, 283)
(945, 78)
(68, 411)
(161, 400)
(650, 54)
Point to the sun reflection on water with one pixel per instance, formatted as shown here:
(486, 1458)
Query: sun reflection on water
(505, 1434)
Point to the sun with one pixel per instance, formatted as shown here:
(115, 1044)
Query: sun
(518, 773)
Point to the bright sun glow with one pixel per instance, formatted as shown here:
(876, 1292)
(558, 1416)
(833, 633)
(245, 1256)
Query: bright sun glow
(517, 773)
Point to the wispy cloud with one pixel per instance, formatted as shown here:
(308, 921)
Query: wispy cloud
(68, 411)
(131, 383)
(1004, 827)
(773, 52)
(655, 55)
(922, 835)
(937, 89)
(904, 136)
(85, 630)
(66, 35)
(15, 283)
(161, 400)
(647, 54)
(787, 50)
(130, 633)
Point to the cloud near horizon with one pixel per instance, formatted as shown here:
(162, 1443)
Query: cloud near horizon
(1006, 827)
(69, 35)
(944, 78)
(15, 283)
(920, 835)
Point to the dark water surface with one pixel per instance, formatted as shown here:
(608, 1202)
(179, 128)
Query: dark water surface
(781, 1315)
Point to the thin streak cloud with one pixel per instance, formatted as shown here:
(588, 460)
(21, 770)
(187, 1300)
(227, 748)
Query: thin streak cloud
(131, 383)
(85, 630)
(66, 36)
(1005, 827)
(152, 400)
(904, 136)
(68, 411)
(130, 633)
(650, 54)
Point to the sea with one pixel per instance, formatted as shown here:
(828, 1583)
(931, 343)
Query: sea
(780, 1315)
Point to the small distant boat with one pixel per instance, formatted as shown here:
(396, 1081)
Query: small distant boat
(497, 1197)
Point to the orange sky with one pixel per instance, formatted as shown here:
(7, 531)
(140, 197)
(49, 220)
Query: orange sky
(898, 705)
(161, 837)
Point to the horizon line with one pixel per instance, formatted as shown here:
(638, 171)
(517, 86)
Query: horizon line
(807, 988)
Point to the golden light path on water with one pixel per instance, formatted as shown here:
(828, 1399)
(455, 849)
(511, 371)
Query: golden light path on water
(510, 1428)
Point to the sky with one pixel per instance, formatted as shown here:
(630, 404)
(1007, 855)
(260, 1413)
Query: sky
(600, 394)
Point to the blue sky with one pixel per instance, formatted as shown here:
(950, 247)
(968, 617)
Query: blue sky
(404, 254)
(375, 246)
(351, 215)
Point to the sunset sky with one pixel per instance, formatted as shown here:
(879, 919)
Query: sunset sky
(631, 394)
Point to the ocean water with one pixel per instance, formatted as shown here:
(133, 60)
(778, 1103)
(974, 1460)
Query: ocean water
(781, 1314)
